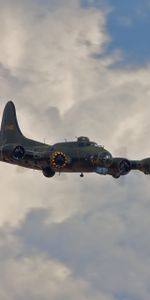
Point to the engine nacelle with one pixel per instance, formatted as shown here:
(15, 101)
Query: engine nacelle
(144, 165)
(18, 153)
(58, 160)
(13, 151)
(125, 167)
(119, 167)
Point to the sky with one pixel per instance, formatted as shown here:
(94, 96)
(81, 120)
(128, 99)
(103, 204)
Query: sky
(76, 68)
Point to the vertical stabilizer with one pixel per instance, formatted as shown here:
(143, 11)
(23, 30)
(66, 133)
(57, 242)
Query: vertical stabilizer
(10, 131)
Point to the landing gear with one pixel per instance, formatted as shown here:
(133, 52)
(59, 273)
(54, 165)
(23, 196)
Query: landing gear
(116, 176)
(82, 175)
(48, 172)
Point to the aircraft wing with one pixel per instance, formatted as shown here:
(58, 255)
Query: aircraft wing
(119, 166)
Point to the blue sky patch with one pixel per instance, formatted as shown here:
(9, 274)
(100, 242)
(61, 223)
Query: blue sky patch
(128, 25)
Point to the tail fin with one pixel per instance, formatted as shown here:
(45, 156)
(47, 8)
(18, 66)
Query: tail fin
(10, 131)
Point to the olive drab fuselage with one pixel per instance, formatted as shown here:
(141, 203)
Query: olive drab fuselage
(74, 156)
(80, 156)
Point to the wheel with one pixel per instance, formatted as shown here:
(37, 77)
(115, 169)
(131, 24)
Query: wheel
(116, 176)
(48, 172)
(81, 175)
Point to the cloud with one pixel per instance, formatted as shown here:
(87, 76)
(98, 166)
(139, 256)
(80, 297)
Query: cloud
(106, 245)
(44, 84)
(60, 40)
(37, 276)
(65, 237)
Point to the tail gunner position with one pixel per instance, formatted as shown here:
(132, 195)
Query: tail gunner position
(81, 156)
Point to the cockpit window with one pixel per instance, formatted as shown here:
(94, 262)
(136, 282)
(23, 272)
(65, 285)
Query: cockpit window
(94, 144)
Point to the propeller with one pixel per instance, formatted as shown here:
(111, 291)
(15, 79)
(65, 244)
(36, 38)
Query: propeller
(125, 167)
(123, 152)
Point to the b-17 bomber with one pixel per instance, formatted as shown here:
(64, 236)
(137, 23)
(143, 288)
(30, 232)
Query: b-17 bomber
(80, 156)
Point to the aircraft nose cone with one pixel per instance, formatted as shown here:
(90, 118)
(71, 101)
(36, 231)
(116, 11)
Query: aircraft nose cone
(105, 158)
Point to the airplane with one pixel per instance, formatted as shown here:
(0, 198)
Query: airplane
(80, 156)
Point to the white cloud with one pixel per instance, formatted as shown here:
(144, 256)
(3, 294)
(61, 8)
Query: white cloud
(44, 72)
(40, 278)
(60, 41)
(105, 247)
